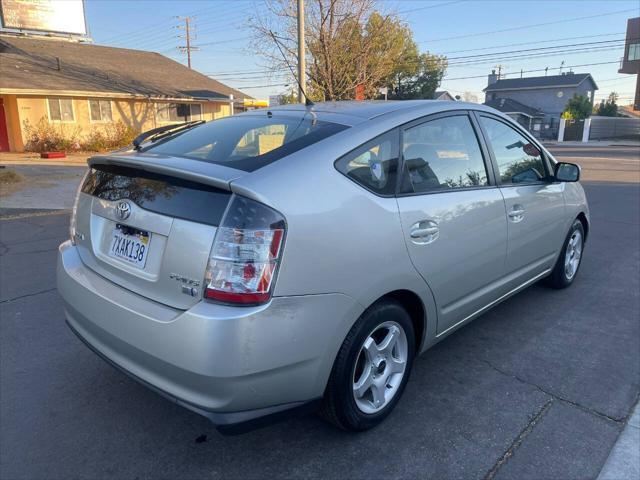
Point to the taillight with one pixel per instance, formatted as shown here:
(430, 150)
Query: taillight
(74, 211)
(245, 254)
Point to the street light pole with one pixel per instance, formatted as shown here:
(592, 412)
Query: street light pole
(302, 80)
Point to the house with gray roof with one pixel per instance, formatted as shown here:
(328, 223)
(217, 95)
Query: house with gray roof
(83, 87)
(537, 102)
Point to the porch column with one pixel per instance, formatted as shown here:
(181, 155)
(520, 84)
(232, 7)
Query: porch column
(587, 128)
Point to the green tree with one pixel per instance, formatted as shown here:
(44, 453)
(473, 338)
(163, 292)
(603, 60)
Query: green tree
(290, 96)
(419, 81)
(578, 106)
(608, 108)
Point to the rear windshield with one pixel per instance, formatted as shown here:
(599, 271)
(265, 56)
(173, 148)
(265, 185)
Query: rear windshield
(247, 142)
(158, 193)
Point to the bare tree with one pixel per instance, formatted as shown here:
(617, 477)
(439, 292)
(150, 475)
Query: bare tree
(348, 43)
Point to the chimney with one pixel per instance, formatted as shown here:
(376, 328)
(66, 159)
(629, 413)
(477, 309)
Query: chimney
(493, 78)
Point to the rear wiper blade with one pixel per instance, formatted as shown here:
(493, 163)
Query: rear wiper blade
(162, 132)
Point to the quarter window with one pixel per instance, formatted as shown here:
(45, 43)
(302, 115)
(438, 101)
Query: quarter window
(374, 165)
(61, 109)
(442, 154)
(519, 160)
(100, 110)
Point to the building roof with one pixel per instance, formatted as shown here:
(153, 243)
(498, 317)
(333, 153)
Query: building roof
(35, 64)
(440, 93)
(566, 80)
(507, 105)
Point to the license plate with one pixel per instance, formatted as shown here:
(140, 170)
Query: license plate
(130, 244)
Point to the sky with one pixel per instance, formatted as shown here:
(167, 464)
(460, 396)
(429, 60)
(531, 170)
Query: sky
(458, 29)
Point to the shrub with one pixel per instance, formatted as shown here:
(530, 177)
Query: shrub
(45, 136)
(578, 106)
(109, 137)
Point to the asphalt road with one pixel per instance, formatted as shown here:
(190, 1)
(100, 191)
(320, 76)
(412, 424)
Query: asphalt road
(537, 388)
(600, 163)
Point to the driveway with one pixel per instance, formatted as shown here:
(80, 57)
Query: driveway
(539, 387)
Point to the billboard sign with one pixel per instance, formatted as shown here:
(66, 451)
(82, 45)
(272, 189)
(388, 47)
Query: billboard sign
(54, 16)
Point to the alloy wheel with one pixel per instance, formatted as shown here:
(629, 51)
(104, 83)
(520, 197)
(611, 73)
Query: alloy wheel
(380, 367)
(573, 254)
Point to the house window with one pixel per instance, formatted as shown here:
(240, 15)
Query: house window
(61, 110)
(100, 110)
(178, 112)
(196, 111)
(634, 52)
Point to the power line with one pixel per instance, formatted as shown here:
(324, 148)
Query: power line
(402, 12)
(459, 78)
(531, 71)
(532, 56)
(538, 48)
(524, 27)
(531, 43)
(138, 33)
(267, 71)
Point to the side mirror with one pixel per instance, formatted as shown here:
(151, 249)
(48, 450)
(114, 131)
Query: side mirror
(567, 172)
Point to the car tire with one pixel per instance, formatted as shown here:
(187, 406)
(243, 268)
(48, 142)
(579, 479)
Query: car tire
(368, 356)
(568, 263)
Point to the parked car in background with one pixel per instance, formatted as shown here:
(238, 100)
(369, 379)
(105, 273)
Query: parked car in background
(301, 257)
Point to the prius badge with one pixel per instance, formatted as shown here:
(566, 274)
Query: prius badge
(123, 210)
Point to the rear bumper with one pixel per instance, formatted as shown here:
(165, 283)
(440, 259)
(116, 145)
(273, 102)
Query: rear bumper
(230, 364)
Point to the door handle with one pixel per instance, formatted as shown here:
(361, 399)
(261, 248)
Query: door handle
(424, 232)
(516, 214)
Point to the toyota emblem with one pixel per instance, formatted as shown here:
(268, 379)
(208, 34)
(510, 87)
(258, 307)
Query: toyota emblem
(123, 210)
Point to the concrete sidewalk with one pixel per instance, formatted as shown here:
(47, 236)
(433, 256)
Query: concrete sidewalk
(624, 459)
(30, 158)
(593, 143)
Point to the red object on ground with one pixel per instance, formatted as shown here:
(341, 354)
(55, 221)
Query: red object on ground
(53, 155)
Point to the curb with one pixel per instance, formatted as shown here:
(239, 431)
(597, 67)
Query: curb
(624, 458)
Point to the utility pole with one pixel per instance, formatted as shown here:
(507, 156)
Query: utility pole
(302, 76)
(188, 35)
(499, 67)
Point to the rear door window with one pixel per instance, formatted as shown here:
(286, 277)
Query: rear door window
(247, 142)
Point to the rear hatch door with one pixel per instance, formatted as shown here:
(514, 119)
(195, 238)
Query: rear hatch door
(147, 223)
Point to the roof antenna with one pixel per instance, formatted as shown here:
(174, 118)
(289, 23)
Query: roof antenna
(307, 101)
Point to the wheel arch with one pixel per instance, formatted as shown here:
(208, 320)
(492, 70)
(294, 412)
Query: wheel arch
(415, 307)
(585, 224)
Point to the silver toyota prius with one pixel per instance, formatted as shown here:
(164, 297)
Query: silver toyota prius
(300, 257)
